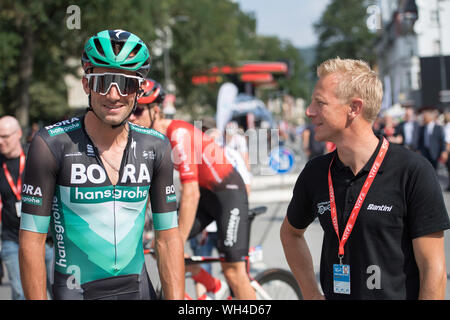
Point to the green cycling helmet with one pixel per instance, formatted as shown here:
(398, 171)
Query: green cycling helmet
(117, 49)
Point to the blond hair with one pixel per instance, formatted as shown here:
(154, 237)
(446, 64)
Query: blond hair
(355, 79)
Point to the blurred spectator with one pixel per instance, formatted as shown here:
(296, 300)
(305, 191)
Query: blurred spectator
(388, 127)
(407, 131)
(377, 126)
(235, 140)
(12, 161)
(432, 139)
(34, 128)
(311, 147)
(234, 151)
(283, 129)
(384, 125)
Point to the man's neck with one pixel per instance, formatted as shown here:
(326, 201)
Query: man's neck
(356, 150)
(161, 125)
(103, 135)
(14, 153)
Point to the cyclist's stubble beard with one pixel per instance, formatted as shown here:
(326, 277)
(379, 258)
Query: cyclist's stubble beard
(116, 123)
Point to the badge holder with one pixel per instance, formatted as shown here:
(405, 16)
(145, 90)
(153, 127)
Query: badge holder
(341, 277)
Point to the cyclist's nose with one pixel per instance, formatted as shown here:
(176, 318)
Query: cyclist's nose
(113, 93)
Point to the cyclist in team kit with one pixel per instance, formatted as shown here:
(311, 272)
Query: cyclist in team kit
(91, 177)
(211, 190)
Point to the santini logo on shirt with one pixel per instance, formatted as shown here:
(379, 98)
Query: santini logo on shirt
(382, 208)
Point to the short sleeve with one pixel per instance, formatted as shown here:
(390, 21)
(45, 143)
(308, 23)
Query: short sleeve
(184, 156)
(426, 211)
(38, 187)
(162, 193)
(299, 212)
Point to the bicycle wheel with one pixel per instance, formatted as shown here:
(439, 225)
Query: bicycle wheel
(277, 284)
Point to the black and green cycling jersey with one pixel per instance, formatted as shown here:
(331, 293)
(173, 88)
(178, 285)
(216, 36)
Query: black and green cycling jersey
(97, 227)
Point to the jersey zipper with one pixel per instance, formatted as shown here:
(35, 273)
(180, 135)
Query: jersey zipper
(115, 231)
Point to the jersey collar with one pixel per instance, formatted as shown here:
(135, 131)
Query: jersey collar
(339, 166)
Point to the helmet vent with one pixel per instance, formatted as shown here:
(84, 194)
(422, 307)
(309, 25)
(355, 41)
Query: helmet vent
(135, 51)
(98, 61)
(128, 65)
(99, 47)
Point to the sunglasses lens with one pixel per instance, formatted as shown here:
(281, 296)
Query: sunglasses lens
(130, 86)
(102, 83)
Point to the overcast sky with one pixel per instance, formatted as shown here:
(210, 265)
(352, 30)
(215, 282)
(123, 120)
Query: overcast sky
(288, 19)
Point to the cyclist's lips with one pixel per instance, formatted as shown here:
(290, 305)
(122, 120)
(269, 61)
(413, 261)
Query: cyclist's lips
(113, 108)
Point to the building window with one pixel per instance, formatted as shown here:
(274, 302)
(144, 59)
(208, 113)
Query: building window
(436, 47)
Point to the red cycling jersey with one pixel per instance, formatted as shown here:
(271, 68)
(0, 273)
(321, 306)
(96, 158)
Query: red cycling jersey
(196, 156)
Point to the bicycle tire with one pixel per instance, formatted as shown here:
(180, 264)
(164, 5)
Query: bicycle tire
(279, 284)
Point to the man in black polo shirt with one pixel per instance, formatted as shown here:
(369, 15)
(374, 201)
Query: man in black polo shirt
(384, 200)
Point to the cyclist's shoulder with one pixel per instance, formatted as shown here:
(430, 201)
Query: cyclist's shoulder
(147, 137)
(176, 124)
(179, 131)
(144, 132)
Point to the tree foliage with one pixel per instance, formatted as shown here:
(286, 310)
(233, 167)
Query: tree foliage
(37, 44)
(343, 32)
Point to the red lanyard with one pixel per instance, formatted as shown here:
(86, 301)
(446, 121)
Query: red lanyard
(16, 189)
(362, 195)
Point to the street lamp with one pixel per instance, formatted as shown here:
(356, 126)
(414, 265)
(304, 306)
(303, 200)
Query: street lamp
(162, 46)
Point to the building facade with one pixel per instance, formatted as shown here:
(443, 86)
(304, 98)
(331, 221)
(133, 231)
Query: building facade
(414, 38)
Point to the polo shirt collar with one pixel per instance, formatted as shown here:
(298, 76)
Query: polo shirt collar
(338, 165)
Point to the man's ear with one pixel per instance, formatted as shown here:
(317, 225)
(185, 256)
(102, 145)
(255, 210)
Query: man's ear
(157, 110)
(85, 83)
(356, 107)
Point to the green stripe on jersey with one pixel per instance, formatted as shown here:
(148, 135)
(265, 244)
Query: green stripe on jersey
(166, 220)
(146, 131)
(34, 223)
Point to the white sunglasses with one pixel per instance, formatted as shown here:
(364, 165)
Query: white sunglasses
(102, 82)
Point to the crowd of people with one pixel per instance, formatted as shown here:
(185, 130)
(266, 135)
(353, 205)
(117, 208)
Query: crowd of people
(425, 131)
(88, 181)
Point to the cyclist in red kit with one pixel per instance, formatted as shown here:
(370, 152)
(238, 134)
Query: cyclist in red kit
(212, 189)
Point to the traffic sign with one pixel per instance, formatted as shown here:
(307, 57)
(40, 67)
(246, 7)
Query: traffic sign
(281, 160)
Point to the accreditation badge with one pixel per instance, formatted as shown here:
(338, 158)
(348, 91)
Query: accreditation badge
(341, 278)
(19, 208)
